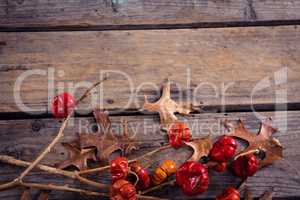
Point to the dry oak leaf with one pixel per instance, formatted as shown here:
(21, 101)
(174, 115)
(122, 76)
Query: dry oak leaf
(105, 140)
(77, 157)
(268, 195)
(166, 107)
(26, 195)
(201, 147)
(262, 141)
(44, 195)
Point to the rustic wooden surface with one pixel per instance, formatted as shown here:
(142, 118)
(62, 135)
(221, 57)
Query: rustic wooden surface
(122, 13)
(79, 39)
(283, 176)
(237, 57)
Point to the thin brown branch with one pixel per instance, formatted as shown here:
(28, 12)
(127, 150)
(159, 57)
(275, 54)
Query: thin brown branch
(11, 184)
(61, 188)
(98, 169)
(171, 182)
(136, 177)
(256, 151)
(88, 91)
(60, 134)
(52, 170)
(81, 191)
(48, 148)
(143, 197)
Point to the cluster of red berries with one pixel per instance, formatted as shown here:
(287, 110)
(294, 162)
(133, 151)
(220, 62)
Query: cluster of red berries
(191, 176)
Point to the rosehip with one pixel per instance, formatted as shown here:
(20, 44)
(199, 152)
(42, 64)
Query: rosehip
(220, 167)
(123, 190)
(144, 178)
(229, 193)
(224, 149)
(192, 177)
(119, 168)
(245, 166)
(62, 105)
(178, 133)
(161, 173)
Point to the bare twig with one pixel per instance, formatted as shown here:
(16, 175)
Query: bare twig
(136, 177)
(143, 197)
(98, 169)
(171, 182)
(52, 170)
(60, 134)
(256, 151)
(61, 188)
(81, 191)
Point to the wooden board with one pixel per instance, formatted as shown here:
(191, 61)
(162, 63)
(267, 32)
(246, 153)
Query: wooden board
(282, 176)
(109, 14)
(235, 60)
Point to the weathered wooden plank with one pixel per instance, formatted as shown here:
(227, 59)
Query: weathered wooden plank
(283, 176)
(41, 13)
(209, 66)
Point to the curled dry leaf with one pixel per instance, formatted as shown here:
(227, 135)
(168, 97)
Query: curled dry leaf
(262, 141)
(44, 195)
(248, 194)
(268, 195)
(26, 195)
(77, 157)
(201, 147)
(166, 107)
(105, 141)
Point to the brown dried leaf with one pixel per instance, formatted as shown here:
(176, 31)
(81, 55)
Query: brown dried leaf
(166, 107)
(248, 194)
(268, 195)
(201, 147)
(104, 141)
(263, 141)
(105, 146)
(44, 195)
(26, 195)
(77, 157)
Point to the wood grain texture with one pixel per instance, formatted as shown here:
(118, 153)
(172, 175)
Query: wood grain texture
(42, 13)
(282, 176)
(232, 60)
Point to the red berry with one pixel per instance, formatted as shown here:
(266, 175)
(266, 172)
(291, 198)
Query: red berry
(123, 190)
(220, 167)
(119, 168)
(62, 105)
(144, 178)
(178, 133)
(229, 193)
(245, 166)
(192, 177)
(224, 149)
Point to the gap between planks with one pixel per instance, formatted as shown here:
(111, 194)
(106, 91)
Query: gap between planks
(128, 27)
